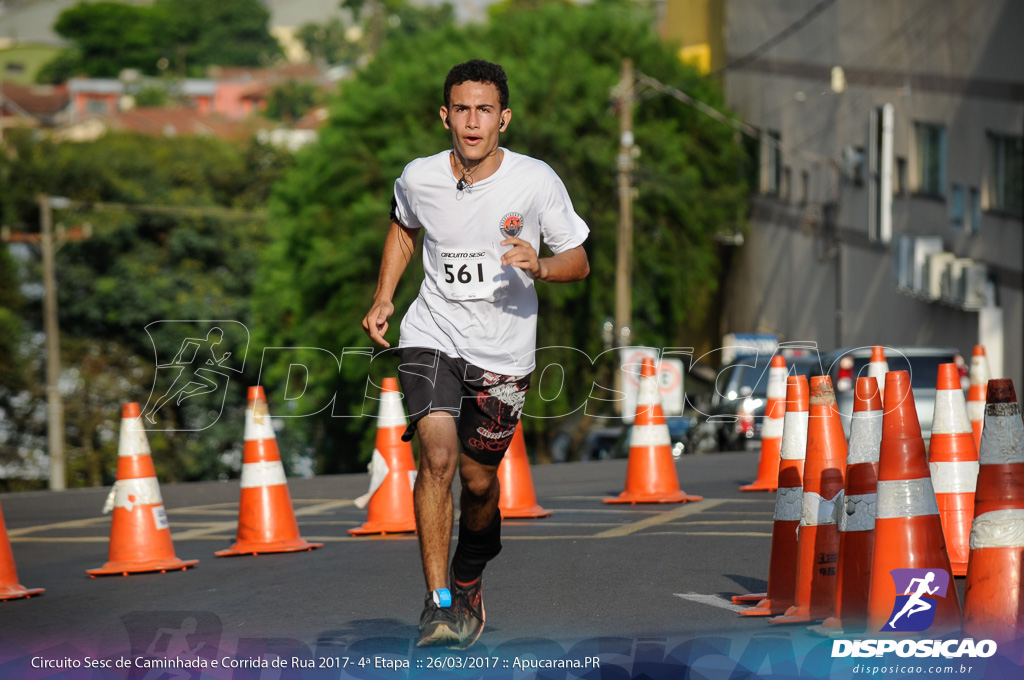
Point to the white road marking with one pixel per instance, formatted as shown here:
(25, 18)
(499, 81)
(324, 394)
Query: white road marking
(713, 600)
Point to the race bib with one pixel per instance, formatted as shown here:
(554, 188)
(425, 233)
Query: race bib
(469, 274)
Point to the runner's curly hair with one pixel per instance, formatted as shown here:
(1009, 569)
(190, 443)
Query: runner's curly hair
(477, 71)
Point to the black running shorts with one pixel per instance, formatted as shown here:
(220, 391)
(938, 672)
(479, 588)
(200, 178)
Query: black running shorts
(486, 405)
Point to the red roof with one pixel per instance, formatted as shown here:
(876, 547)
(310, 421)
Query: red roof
(35, 100)
(183, 121)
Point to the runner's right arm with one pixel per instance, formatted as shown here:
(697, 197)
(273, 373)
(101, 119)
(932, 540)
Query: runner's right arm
(398, 250)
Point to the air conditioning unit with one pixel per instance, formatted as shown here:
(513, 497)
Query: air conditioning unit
(974, 279)
(903, 262)
(923, 247)
(953, 281)
(935, 268)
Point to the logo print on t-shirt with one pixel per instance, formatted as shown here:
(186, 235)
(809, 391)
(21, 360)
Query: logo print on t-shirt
(511, 225)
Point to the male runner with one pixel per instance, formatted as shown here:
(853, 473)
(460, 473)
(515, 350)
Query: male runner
(467, 341)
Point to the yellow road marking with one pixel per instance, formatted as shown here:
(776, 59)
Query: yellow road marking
(663, 518)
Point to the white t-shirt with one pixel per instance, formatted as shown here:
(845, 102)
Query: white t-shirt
(469, 306)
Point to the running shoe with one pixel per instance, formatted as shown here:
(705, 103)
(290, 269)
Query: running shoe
(469, 610)
(438, 622)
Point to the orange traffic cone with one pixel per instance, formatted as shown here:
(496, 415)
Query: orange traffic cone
(517, 499)
(651, 471)
(393, 471)
(953, 461)
(979, 377)
(877, 368)
(771, 431)
(857, 516)
(140, 536)
(992, 601)
(818, 535)
(10, 589)
(910, 553)
(788, 499)
(266, 520)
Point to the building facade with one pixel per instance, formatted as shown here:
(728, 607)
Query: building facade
(890, 199)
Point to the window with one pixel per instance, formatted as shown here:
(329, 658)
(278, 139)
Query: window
(14, 67)
(772, 169)
(956, 207)
(784, 186)
(805, 187)
(974, 206)
(1005, 189)
(899, 178)
(859, 155)
(931, 158)
(97, 106)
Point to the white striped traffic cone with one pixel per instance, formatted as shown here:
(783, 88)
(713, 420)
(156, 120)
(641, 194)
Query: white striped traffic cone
(953, 462)
(878, 367)
(992, 600)
(979, 376)
(651, 471)
(788, 506)
(266, 519)
(818, 537)
(393, 472)
(771, 430)
(140, 536)
(857, 514)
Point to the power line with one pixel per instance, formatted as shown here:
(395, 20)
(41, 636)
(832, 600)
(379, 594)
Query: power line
(778, 38)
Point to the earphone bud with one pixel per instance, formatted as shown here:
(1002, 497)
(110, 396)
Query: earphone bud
(502, 126)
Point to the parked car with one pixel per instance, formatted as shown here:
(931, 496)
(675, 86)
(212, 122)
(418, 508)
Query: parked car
(735, 414)
(922, 363)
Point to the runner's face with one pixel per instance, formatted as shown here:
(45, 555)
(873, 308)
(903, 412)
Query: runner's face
(474, 118)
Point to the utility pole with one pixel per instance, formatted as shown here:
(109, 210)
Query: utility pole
(54, 403)
(624, 252)
(49, 243)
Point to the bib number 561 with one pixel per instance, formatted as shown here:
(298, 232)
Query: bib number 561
(464, 275)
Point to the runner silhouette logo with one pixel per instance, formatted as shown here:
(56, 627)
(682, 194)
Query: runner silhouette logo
(914, 609)
(195, 361)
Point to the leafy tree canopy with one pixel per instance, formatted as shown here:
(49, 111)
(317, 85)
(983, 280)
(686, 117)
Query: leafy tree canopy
(563, 61)
(135, 269)
(107, 37)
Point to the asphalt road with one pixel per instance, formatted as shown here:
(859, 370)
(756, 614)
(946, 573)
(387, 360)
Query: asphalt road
(646, 584)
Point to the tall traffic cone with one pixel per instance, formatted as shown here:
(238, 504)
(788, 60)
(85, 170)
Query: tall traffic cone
(979, 377)
(517, 499)
(393, 471)
(788, 505)
(651, 471)
(857, 516)
(992, 601)
(140, 536)
(878, 367)
(771, 430)
(818, 533)
(953, 461)
(10, 589)
(266, 520)
(908, 532)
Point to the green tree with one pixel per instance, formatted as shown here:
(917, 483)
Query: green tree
(107, 37)
(331, 211)
(137, 268)
(291, 99)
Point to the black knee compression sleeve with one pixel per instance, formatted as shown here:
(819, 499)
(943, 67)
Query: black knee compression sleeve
(475, 549)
